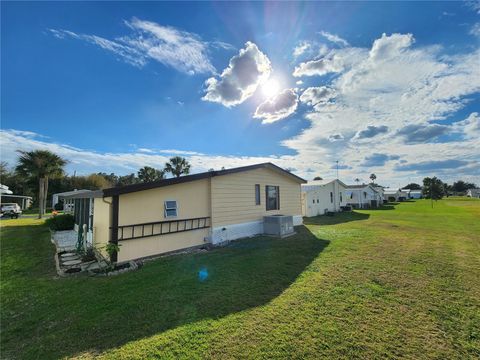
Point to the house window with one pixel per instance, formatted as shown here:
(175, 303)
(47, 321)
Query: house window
(341, 197)
(257, 194)
(170, 208)
(364, 194)
(273, 197)
(331, 197)
(313, 200)
(317, 201)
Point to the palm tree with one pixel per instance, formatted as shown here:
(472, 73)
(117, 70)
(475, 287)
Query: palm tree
(40, 165)
(373, 177)
(149, 174)
(177, 166)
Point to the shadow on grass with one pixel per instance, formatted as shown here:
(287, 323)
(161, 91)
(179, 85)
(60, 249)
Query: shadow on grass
(337, 218)
(94, 314)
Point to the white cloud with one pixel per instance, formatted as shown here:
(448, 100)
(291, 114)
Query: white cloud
(475, 29)
(181, 50)
(470, 127)
(318, 67)
(416, 133)
(384, 89)
(335, 61)
(474, 5)
(334, 38)
(317, 95)
(245, 72)
(146, 151)
(301, 48)
(278, 107)
(388, 47)
(85, 162)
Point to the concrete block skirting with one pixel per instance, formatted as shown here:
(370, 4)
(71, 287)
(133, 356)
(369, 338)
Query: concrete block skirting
(225, 233)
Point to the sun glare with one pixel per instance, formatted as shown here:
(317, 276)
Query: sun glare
(270, 88)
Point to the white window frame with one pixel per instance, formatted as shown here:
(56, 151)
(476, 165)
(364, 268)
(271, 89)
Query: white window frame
(165, 208)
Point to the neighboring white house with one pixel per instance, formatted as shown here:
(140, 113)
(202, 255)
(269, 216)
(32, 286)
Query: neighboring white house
(5, 190)
(395, 194)
(403, 195)
(415, 194)
(68, 203)
(380, 190)
(321, 196)
(474, 193)
(391, 194)
(363, 196)
(6, 195)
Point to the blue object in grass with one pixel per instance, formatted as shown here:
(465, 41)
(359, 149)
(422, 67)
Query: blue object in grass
(203, 274)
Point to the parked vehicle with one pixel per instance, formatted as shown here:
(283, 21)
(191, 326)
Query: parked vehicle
(11, 209)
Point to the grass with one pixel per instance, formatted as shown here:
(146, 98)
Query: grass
(402, 282)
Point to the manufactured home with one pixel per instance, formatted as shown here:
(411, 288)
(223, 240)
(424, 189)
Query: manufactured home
(395, 195)
(363, 196)
(168, 215)
(322, 196)
(474, 193)
(414, 194)
(66, 199)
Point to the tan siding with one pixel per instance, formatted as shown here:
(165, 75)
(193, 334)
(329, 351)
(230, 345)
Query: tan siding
(193, 201)
(233, 196)
(101, 223)
(154, 245)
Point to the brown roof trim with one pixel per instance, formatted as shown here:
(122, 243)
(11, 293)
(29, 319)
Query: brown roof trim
(205, 175)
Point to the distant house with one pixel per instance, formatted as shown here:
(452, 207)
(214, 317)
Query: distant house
(67, 199)
(6, 195)
(4, 190)
(394, 195)
(364, 196)
(321, 196)
(414, 194)
(380, 190)
(172, 214)
(474, 193)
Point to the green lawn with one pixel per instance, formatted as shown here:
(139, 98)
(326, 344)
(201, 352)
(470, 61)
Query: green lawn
(402, 282)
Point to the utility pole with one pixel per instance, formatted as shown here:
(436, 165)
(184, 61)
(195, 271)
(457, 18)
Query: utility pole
(337, 169)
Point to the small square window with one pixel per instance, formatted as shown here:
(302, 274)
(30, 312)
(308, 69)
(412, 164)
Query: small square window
(170, 208)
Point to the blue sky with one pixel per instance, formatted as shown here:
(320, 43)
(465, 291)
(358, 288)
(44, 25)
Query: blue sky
(115, 86)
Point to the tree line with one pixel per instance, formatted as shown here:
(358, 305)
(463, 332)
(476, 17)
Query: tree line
(435, 188)
(41, 173)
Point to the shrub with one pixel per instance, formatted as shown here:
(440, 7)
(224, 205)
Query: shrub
(61, 222)
(58, 206)
(88, 255)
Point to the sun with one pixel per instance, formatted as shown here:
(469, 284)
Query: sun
(270, 88)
